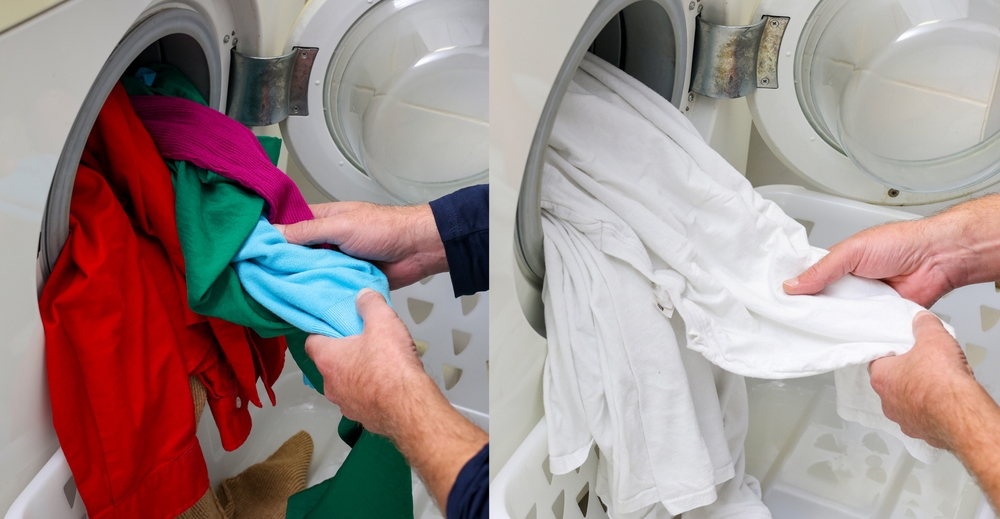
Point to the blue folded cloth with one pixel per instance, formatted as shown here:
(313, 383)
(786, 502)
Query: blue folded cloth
(313, 289)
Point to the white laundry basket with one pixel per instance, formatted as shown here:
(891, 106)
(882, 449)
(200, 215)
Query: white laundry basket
(811, 464)
(455, 331)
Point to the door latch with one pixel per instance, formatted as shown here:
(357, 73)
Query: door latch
(732, 61)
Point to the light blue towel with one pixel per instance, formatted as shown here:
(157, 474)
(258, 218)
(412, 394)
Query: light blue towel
(312, 289)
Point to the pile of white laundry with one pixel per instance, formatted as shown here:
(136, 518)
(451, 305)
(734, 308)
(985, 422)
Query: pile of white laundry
(663, 289)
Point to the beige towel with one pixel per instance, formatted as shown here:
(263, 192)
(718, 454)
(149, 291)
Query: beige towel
(206, 508)
(263, 489)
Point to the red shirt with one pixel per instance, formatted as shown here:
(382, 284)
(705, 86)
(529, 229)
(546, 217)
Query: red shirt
(121, 340)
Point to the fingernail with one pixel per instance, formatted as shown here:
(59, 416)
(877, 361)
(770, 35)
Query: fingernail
(792, 283)
(362, 292)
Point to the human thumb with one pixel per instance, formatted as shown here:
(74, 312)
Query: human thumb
(828, 269)
(926, 325)
(368, 302)
(306, 232)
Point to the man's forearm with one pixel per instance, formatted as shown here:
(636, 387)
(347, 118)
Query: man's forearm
(434, 438)
(974, 241)
(974, 427)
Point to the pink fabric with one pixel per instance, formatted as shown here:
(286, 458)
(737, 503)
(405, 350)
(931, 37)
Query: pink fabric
(185, 130)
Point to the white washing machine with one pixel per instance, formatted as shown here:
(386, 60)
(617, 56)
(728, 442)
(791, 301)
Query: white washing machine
(847, 113)
(383, 101)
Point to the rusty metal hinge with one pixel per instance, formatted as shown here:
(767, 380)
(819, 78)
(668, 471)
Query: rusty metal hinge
(265, 91)
(732, 61)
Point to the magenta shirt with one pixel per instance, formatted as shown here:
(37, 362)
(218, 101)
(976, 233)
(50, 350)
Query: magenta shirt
(185, 130)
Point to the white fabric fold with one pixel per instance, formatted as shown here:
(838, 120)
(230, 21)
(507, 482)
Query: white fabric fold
(663, 288)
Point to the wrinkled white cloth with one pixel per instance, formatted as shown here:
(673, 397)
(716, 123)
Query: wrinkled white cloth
(641, 219)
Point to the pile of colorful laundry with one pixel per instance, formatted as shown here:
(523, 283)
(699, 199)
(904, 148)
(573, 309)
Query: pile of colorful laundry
(173, 290)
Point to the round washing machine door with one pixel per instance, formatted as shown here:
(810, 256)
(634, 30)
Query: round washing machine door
(404, 90)
(886, 101)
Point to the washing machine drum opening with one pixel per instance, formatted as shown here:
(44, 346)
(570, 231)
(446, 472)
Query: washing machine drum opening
(181, 52)
(407, 96)
(640, 40)
(906, 89)
(178, 37)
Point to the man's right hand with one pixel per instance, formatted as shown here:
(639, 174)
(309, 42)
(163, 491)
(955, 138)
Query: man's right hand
(402, 241)
(921, 259)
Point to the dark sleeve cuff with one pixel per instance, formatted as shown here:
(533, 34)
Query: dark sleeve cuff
(463, 221)
(470, 495)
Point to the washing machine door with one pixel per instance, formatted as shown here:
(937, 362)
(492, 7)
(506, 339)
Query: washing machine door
(397, 97)
(886, 101)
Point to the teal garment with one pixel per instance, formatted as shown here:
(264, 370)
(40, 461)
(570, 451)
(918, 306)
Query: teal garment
(313, 289)
(214, 217)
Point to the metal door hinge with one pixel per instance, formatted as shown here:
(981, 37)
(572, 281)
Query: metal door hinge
(265, 91)
(732, 61)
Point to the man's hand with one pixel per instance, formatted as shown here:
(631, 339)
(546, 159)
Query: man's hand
(906, 255)
(366, 375)
(921, 259)
(932, 394)
(922, 390)
(402, 241)
(377, 379)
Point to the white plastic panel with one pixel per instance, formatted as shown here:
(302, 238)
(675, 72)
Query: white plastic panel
(456, 333)
(526, 489)
(810, 462)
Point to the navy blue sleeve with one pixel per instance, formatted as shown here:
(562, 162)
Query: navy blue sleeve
(470, 495)
(463, 220)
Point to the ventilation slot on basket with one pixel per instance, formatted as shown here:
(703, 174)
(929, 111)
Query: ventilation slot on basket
(469, 303)
(559, 506)
(460, 341)
(988, 316)
(533, 513)
(426, 280)
(974, 354)
(421, 347)
(451, 375)
(69, 490)
(943, 317)
(807, 224)
(545, 469)
(419, 310)
(583, 498)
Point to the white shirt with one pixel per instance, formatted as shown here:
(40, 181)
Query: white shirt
(643, 219)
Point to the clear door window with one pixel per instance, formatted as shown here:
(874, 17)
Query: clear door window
(407, 96)
(906, 88)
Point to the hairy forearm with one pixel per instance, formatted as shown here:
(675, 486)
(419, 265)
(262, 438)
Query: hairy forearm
(973, 423)
(434, 438)
(968, 236)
